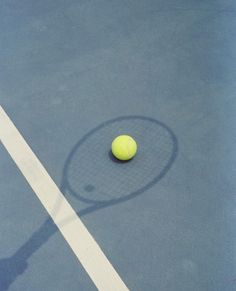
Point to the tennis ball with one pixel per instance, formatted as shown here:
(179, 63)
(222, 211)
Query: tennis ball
(124, 147)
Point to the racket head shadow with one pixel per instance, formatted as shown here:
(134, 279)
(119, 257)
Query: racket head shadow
(94, 176)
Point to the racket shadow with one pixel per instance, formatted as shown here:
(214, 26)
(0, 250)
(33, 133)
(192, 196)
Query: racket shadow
(14, 266)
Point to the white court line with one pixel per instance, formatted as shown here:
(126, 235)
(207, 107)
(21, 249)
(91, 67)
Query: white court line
(75, 233)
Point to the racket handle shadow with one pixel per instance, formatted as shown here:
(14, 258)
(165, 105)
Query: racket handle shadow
(10, 269)
(14, 266)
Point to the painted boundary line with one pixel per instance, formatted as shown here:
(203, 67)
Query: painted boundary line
(94, 261)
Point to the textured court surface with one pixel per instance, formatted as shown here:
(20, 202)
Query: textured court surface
(75, 73)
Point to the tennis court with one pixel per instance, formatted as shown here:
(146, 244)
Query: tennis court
(73, 76)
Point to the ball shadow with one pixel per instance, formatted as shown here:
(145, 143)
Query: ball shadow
(115, 160)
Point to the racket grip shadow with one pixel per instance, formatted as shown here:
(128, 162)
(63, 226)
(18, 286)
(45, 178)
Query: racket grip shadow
(14, 266)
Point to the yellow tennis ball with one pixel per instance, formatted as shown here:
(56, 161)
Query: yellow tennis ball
(124, 147)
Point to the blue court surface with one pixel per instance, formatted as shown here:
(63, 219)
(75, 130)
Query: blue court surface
(76, 74)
